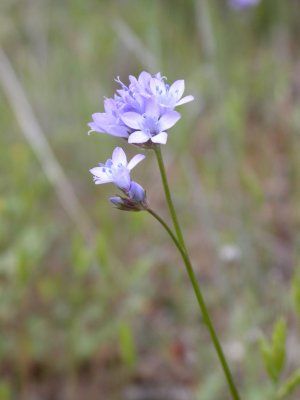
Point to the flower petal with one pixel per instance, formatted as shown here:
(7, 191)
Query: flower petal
(136, 192)
(93, 128)
(104, 123)
(144, 78)
(98, 181)
(116, 201)
(109, 105)
(177, 89)
(100, 119)
(152, 109)
(135, 160)
(119, 131)
(133, 80)
(121, 178)
(160, 138)
(119, 157)
(168, 120)
(138, 137)
(157, 87)
(108, 163)
(132, 119)
(98, 172)
(100, 176)
(184, 100)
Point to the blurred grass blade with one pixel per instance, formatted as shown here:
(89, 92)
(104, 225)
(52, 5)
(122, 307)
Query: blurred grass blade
(274, 352)
(127, 344)
(289, 385)
(39, 143)
(135, 45)
(205, 29)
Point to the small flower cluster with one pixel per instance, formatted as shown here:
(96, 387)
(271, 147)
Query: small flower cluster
(140, 113)
(143, 111)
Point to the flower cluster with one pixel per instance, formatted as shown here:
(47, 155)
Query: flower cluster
(143, 111)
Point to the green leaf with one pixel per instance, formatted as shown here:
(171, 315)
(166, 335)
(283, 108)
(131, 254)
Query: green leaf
(127, 344)
(289, 385)
(273, 352)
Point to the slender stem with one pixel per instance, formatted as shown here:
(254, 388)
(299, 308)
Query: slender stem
(168, 229)
(180, 244)
(168, 196)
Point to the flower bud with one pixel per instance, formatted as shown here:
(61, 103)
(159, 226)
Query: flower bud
(125, 204)
(136, 192)
(116, 200)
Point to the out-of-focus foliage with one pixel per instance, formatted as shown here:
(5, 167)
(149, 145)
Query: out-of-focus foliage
(289, 386)
(116, 315)
(274, 352)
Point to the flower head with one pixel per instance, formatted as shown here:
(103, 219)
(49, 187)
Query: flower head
(142, 111)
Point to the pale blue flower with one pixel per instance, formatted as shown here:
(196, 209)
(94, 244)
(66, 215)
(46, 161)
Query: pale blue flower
(116, 170)
(169, 96)
(109, 121)
(151, 125)
(141, 85)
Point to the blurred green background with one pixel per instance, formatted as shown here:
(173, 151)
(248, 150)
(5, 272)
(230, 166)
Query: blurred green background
(95, 303)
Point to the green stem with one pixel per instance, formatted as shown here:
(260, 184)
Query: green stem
(168, 229)
(180, 244)
(168, 196)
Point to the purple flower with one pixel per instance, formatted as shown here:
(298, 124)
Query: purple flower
(139, 85)
(142, 111)
(109, 121)
(169, 96)
(151, 125)
(116, 170)
(241, 4)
